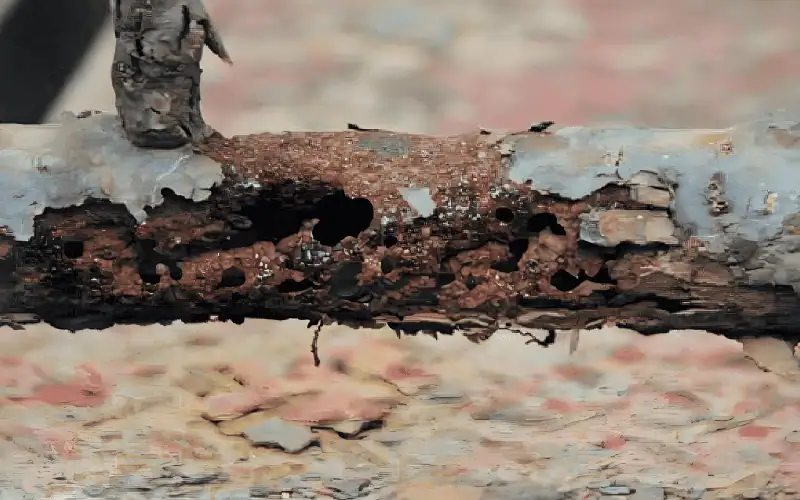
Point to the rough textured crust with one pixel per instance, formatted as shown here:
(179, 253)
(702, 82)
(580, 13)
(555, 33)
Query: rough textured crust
(433, 234)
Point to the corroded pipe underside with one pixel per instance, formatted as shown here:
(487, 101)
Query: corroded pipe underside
(650, 229)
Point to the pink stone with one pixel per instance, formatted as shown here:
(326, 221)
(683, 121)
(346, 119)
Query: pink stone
(334, 406)
(754, 431)
(19, 375)
(614, 442)
(142, 370)
(558, 405)
(86, 389)
(53, 440)
(628, 355)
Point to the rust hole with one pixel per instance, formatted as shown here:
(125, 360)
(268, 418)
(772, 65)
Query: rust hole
(263, 218)
(175, 271)
(232, 277)
(504, 214)
(341, 216)
(290, 286)
(149, 273)
(602, 276)
(148, 261)
(73, 249)
(516, 250)
(152, 265)
(544, 220)
(235, 318)
(389, 240)
(387, 265)
(565, 281)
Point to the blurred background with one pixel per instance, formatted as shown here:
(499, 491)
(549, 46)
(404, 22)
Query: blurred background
(428, 66)
(434, 66)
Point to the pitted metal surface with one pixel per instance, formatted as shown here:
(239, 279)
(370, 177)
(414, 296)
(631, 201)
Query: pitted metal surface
(374, 227)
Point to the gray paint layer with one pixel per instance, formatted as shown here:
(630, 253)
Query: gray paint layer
(757, 167)
(420, 200)
(62, 164)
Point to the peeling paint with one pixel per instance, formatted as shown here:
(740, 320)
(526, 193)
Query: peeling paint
(420, 200)
(757, 168)
(324, 226)
(59, 165)
(609, 228)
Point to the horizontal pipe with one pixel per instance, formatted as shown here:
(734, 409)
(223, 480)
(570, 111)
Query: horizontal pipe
(561, 228)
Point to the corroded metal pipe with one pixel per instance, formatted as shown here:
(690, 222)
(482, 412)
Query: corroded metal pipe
(650, 229)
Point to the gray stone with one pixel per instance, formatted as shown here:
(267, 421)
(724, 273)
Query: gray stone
(480, 478)
(187, 492)
(443, 395)
(277, 490)
(751, 494)
(349, 428)
(443, 444)
(232, 495)
(136, 482)
(615, 490)
(294, 482)
(390, 437)
(697, 493)
(261, 491)
(351, 488)
(332, 467)
(94, 491)
(13, 493)
(203, 477)
(521, 491)
(648, 493)
(276, 432)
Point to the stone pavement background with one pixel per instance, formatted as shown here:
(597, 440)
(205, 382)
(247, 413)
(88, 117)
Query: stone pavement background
(452, 65)
(217, 411)
(212, 411)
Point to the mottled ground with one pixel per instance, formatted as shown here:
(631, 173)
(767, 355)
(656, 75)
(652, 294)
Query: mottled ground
(215, 410)
(210, 408)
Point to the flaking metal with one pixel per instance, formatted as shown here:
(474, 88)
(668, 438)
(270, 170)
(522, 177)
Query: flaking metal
(316, 225)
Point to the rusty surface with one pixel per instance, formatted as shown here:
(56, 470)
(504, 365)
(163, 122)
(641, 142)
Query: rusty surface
(317, 226)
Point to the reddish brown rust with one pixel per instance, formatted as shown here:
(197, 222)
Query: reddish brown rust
(286, 236)
(371, 165)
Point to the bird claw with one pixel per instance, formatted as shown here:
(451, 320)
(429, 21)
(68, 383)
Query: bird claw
(213, 40)
(181, 20)
(156, 70)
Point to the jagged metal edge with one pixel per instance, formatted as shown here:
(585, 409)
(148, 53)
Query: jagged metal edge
(761, 188)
